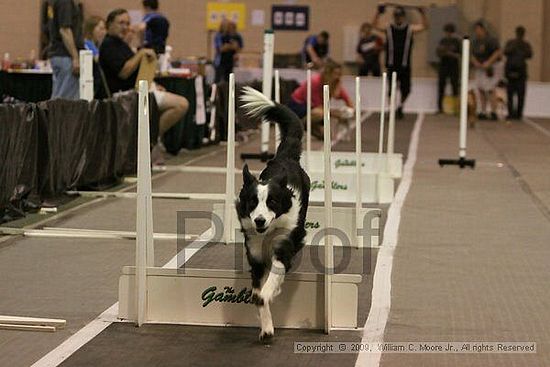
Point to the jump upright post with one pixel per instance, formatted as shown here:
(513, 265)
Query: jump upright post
(462, 160)
(267, 82)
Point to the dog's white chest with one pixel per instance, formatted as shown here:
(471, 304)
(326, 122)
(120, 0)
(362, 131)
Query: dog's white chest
(260, 248)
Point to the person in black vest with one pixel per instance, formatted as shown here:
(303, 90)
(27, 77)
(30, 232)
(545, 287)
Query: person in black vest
(517, 51)
(399, 44)
(368, 51)
(448, 51)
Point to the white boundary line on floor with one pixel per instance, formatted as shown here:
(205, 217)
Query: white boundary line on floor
(537, 126)
(373, 331)
(63, 351)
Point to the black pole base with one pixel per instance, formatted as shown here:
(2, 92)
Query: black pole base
(461, 162)
(263, 156)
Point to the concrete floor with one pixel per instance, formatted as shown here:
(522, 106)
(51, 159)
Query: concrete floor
(472, 263)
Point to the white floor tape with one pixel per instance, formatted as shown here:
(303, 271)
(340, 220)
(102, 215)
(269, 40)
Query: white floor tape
(373, 331)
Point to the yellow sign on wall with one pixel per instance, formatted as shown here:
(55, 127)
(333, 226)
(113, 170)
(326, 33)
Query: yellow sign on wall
(215, 12)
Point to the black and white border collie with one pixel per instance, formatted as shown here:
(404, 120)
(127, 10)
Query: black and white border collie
(272, 209)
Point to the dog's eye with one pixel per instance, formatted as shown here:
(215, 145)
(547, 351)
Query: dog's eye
(271, 202)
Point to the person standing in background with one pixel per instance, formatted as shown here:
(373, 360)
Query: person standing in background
(517, 51)
(485, 53)
(154, 28)
(399, 44)
(316, 49)
(368, 51)
(236, 36)
(228, 43)
(65, 28)
(448, 50)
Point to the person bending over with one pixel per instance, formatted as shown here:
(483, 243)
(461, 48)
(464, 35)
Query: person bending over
(399, 45)
(331, 74)
(485, 54)
(315, 49)
(121, 66)
(448, 51)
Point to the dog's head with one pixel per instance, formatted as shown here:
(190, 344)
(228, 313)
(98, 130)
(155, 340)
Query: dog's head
(260, 203)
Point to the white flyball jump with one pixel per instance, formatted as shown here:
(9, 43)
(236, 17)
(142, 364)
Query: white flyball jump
(149, 294)
(378, 171)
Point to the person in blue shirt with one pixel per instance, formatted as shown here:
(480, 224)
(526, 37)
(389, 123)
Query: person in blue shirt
(228, 43)
(94, 32)
(154, 27)
(315, 49)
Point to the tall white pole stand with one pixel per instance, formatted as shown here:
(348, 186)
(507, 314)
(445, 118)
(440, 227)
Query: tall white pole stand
(278, 100)
(329, 255)
(462, 161)
(391, 127)
(228, 234)
(308, 120)
(464, 97)
(144, 204)
(358, 163)
(269, 44)
(382, 120)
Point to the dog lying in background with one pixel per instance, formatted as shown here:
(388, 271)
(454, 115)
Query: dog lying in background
(272, 209)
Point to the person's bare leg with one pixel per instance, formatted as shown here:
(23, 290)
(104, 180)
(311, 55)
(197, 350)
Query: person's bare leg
(172, 110)
(493, 101)
(483, 101)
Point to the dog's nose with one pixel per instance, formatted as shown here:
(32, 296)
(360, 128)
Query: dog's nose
(260, 222)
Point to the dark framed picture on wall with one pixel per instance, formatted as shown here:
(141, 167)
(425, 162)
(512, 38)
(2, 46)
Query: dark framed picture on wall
(290, 18)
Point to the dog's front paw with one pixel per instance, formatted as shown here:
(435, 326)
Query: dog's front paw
(266, 336)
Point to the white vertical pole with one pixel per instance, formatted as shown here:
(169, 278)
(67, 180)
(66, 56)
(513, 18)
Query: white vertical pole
(86, 80)
(382, 114)
(358, 162)
(212, 124)
(391, 127)
(278, 100)
(269, 40)
(308, 120)
(464, 96)
(329, 260)
(144, 203)
(230, 175)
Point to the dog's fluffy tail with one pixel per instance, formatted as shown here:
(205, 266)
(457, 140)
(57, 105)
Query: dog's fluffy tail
(258, 105)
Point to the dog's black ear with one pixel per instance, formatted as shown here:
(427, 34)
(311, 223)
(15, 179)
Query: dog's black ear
(281, 180)
(248, 178)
